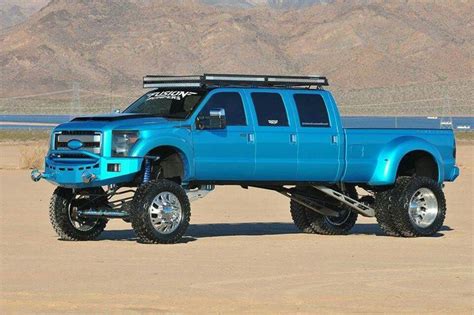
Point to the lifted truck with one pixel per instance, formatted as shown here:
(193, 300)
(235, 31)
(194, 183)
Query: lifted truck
(282, 133)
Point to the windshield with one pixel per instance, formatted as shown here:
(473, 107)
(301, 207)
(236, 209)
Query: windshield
(169, 104)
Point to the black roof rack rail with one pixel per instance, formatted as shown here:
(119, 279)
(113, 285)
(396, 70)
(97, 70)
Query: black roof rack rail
(219, 80)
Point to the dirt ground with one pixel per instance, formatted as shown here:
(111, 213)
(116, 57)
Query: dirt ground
(242, 254)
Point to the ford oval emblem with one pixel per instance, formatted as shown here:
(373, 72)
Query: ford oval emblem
(74, 144)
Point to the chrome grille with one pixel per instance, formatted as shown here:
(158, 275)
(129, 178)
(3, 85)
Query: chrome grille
(91, 140)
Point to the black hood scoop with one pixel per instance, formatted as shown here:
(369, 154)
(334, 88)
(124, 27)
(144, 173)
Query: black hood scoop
(113, 117)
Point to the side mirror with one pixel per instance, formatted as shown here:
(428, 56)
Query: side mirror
(116, 111)
(215, 120)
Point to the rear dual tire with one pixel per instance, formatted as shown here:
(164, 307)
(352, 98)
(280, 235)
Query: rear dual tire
(415, 206)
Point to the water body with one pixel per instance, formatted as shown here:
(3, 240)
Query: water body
(458, 123)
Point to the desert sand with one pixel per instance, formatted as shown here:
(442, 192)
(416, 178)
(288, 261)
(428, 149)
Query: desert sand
(242, 254)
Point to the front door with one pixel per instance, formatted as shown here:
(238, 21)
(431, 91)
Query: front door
(225, 154)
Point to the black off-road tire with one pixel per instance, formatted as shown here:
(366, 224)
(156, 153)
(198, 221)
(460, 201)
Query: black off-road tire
(385, 202)
(309, 221)
(59, 216)
(298, 214)
(400, 212)
(140, 217)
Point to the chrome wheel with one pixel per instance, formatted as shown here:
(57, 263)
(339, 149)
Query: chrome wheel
(423, 208)
(165, 212)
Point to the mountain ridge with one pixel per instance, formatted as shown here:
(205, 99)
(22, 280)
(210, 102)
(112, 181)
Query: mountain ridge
(110, 46)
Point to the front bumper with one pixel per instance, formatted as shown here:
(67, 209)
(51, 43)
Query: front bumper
(89, 171)
(454, 174)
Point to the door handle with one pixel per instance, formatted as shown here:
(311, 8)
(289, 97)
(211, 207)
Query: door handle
(251, 138)
(334, 139)
(292, 138)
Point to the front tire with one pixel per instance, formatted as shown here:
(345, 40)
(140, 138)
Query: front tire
(160, 212)
(63, 214)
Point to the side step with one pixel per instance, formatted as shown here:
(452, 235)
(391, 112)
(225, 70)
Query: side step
(361, 208)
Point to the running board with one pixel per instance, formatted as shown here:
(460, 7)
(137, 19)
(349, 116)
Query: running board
(361, 208)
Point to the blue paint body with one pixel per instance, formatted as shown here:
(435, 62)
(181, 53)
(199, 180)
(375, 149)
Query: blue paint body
(255, 153)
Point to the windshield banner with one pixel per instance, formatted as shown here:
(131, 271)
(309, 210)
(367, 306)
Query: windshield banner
(173, 95)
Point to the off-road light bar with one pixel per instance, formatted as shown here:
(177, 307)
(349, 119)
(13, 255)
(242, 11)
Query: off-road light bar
(218, 80)
(153, 82)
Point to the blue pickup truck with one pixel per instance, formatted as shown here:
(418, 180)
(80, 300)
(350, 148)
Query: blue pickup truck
(282, 133)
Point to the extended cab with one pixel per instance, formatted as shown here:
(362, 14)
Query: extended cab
(282, 133)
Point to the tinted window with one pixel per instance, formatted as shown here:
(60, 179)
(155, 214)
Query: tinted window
(270, 109)
(231, 102)
(312, 110)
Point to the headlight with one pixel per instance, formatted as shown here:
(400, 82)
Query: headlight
(123, 141)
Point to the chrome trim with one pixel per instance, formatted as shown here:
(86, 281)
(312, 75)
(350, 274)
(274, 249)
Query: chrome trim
(165, 212)
(82, 138)
(63, 137)
(423, 208)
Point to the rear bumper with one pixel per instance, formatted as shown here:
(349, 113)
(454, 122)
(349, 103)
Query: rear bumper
(70, 173)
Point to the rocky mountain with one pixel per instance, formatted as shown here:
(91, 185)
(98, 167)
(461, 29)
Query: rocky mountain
(109, 45)
(14, 12)
(279, 4)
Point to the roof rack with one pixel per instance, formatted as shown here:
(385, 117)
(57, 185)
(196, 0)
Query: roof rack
(219, 80)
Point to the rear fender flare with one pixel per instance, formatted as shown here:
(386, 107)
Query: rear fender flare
(391, 155)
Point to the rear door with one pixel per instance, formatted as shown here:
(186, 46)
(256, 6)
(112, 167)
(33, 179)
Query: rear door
(225, 154)
(275, 137)
(320, 155)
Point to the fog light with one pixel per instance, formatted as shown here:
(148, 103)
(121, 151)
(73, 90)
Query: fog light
(113, 167)
(88, 177)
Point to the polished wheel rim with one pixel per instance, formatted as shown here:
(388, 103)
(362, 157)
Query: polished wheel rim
(165, 212)
(80, 224)
(423, 208)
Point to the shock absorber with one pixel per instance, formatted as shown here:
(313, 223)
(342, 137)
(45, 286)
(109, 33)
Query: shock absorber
(147, 173)
(148, 162)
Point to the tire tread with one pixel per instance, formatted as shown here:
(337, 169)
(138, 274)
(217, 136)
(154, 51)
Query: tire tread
(139, 212)
(58, 216)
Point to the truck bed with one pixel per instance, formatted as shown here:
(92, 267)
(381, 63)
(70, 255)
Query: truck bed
(367, 150)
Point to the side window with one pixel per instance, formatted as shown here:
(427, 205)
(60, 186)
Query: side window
(311, 110)
(231, 102)
(270, 109)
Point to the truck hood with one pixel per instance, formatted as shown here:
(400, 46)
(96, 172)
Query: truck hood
(118, 121)
(111, 117)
